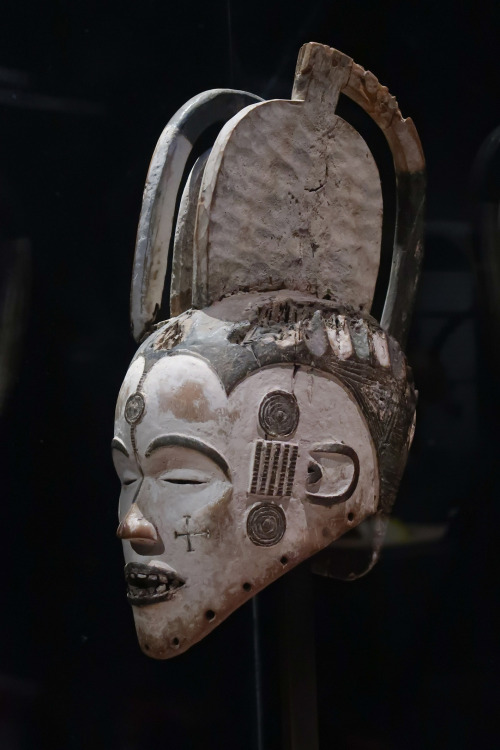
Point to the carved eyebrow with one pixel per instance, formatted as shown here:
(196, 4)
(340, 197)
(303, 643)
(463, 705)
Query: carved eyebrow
(119, 445)
(189, 442)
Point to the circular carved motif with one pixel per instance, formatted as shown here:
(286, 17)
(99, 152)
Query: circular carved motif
(279, 414)
(134, 408)
(266, 524)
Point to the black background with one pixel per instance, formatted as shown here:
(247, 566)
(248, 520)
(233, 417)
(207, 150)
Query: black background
(407, 658)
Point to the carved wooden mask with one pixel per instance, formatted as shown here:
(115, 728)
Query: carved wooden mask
(252, 432)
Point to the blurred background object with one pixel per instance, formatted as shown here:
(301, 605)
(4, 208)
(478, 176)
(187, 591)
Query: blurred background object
(15, 287)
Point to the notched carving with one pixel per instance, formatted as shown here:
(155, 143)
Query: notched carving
(377, 100)
(273, 468)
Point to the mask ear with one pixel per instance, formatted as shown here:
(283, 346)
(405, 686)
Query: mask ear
(333, 473)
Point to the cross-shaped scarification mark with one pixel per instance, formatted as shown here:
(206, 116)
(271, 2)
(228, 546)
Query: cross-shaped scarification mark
(188, 534)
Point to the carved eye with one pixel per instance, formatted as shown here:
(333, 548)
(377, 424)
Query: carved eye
(186, 476)
(127, 482)
(183, 481)
(332, 474)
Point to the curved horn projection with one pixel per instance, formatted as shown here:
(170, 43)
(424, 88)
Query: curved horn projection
(160, 194)
(409, 164)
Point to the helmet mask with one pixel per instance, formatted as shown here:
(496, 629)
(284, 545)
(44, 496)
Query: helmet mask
(249, 435)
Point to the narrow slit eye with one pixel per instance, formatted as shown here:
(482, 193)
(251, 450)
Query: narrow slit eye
(127, 482)
(184, 481)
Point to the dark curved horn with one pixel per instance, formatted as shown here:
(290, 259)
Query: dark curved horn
(409, 164)
(364, 88)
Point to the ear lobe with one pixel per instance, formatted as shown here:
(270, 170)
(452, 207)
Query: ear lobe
(333, 474)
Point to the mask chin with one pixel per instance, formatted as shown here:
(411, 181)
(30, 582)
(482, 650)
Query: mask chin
(169, 628)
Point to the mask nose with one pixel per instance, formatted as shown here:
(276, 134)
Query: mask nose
(136, 528)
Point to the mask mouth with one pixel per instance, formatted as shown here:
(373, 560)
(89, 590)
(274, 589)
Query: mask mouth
(150, 584)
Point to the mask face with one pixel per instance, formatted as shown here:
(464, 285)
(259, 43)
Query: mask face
(272, 414)
(222, 494)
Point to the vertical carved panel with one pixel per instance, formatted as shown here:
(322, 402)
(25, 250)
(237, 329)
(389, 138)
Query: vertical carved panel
(273, 468)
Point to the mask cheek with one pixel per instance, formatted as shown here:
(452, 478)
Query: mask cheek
(215, 513)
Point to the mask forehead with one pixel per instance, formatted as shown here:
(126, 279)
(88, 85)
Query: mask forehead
(182, 395)
(129, 387)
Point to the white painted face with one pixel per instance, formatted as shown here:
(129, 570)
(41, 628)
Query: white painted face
(222, 495)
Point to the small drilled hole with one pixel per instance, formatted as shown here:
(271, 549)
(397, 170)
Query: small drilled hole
(350, 517)
(284, 560)
(146, 646)
(247, 586)
(210, 614)
(175, 642)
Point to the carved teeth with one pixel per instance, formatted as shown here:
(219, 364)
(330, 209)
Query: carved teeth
(160, 566)
(147, 585)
